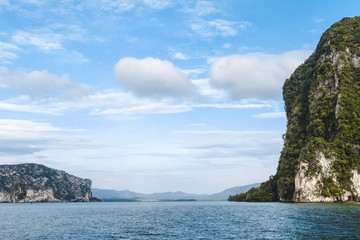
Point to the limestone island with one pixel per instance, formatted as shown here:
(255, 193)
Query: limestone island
(320, 161)
(38, 183)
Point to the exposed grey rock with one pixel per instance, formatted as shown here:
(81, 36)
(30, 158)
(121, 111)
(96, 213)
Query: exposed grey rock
(37, 183)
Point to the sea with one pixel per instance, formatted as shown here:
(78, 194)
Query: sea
(179, 220)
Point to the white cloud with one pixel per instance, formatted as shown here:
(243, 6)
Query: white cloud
(68, 32)
(150, 108)
(120, 6)
(146, 107)
(179, 159)
(255, 75)
(218, 27)
(5, 46)
(176, 160)
(201, 8)
(205, 26)
(51, 40)
(152, 77)
(12, 127)
(158, 4)
(229, 148)
(114, 5)
(7, 51)
(43, 84)
(31, 108)
(180, 56)
(114, 99)
(194, 73)
(44, 41)
(205, 89)
(125, 105)
(231, 105)
(22, 137)
(271, 115)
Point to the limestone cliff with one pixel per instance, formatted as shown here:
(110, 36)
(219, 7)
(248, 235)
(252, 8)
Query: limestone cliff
(320, 161)
(37, 183)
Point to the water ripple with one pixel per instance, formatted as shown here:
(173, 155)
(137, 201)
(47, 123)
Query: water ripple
(179, 220)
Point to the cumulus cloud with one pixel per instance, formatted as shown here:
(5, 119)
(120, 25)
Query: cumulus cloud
(152, 77)
(194, 73)
(205, 89)
(42, 84)
(256, 75)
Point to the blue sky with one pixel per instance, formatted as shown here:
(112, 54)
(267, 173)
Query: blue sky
(153, 95)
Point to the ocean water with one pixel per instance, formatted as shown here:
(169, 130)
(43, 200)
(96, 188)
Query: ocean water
(179, 220)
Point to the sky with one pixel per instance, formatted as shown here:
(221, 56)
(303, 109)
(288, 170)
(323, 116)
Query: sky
(153, 95)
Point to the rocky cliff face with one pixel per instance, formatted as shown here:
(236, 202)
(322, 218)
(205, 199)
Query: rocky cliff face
(37, 183)
(320, 161)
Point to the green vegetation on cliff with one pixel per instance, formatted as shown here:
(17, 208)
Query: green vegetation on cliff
(322, 103)
(265, 193)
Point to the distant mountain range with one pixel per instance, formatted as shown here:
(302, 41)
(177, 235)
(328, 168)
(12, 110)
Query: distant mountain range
(107, 194)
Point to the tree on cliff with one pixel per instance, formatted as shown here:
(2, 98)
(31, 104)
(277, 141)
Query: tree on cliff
(322, 103)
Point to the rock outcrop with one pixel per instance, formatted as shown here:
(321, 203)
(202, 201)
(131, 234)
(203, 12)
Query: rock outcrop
(320, 161)
(38, 183)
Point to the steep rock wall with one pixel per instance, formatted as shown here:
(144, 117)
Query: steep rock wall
(37, 183)
(320, 161)
(308, 188)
